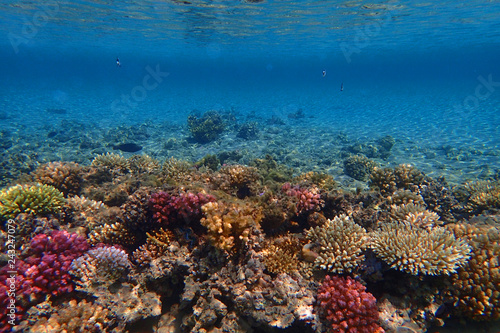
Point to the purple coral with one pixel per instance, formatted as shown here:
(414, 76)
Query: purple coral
(44, 271)
(186, 206)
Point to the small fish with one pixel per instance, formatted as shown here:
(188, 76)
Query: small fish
(324, 73)
(342, 86)
(128, 147)
(118, 63)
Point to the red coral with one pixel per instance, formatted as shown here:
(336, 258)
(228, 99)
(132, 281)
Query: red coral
(184, 207)
(45, 271)
(308, 199)
(347, 307)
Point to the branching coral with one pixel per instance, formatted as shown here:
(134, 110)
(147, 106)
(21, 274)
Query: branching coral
(139, 164)
(347, 306)
(480, 196)
(340, 243)
(156, 245)
(102, 265)
(230, 225)
(114, 233)
(175, 170)
(416, 250)
(415, 215)
(207, 128)
(31, 199)
(63, 176)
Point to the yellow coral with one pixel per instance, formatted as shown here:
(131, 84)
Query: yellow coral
(230, 225)
(415, 215)
(340, 243)
(31, 199)
(415, 250)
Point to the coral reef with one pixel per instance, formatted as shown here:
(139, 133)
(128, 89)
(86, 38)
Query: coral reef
(32, 199)
(347, 306)
(248, 131)
(419, 251)
(339, 244)
(111, 161)
(479, 196)
(307, 198)
(281, 255)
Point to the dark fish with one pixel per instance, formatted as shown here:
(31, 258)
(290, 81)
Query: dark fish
(128, 147)
(57, 111)
(342, 86)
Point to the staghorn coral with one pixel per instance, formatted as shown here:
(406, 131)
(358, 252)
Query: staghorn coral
(359, 167)
(102, 265)
(281, 255)
(340, 243)
(414, 250)
(64, 176)
(230, 224)
(31, 199)
(111, 161)
(476, 286)
(347, 306)
(72, 317)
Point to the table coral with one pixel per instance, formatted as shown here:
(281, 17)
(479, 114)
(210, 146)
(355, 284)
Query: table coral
(339, 244)
(32, 199)
(230, 224)
(347, 306)
(416, 250)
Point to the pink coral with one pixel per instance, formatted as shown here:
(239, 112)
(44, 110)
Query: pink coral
(347, 307)
(44, 271)
(308, 199)
(185, 207)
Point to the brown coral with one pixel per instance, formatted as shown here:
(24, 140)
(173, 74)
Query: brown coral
(156, 245)
(415, 250)
(230, 224)
(65, 176)
(281, 255)
(340, 243)
(404, 176)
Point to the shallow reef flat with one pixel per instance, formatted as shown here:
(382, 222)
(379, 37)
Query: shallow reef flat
(133, 243)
